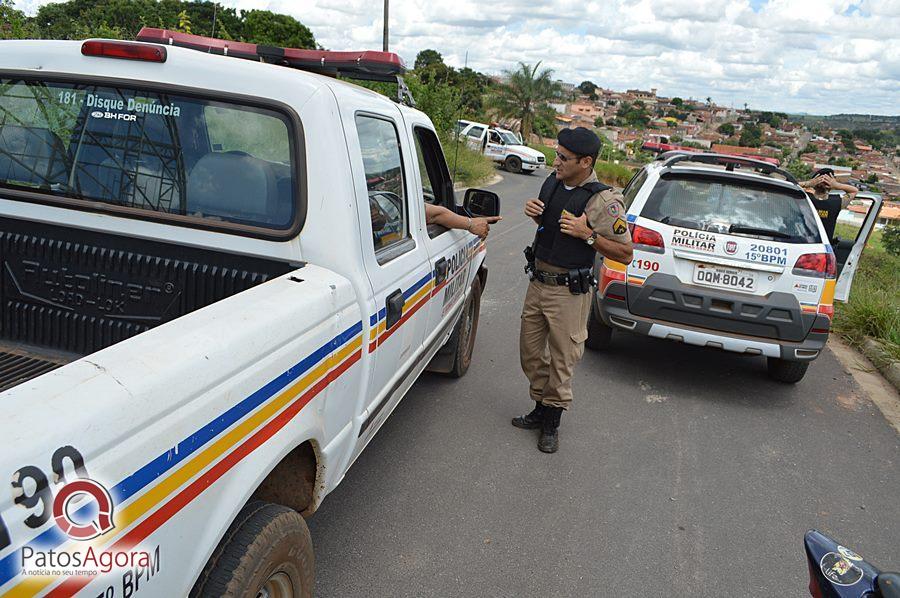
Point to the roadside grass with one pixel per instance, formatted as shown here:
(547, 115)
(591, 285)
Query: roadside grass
(874, 306)
(610, 173)
(471, 167)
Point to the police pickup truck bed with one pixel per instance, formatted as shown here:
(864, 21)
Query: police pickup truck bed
(216, 282)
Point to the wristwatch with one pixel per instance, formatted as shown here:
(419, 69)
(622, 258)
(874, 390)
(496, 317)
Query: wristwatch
(590, 240)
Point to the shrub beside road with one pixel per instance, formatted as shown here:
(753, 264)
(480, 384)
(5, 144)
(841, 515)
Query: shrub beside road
(874, 306)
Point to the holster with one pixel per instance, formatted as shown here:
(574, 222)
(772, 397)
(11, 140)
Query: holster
(529, 260)
(581, 281)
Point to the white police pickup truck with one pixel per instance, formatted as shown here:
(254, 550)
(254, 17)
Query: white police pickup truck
(501, 146)
(217, 283)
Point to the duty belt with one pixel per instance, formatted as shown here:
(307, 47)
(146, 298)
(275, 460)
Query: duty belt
(551, 278)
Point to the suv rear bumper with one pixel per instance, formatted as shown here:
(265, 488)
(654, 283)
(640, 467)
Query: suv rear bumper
(615, 313)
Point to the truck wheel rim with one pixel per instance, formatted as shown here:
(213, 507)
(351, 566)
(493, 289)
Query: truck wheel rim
(277, 586)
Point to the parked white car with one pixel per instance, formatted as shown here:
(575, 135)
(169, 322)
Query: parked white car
(217, 284)
(728, 253)
(501, 146)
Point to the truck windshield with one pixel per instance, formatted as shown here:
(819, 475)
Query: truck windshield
(509, 138)
(160, 152)
(727, 206)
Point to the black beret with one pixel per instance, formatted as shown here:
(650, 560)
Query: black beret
(579, 140)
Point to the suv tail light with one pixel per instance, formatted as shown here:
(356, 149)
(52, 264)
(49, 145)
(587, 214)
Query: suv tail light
(819, 265)
(126, 50)
(649, 240)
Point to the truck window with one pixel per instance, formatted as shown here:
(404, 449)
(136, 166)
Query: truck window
(633, 187)
(153, 153)
(380, 146)
(436, 183)
(475, 132)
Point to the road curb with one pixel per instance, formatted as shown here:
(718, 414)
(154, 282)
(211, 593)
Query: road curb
(882, 391)
(889, 368)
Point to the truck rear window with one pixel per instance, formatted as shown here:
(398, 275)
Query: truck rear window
(212, 160)
(725, 206)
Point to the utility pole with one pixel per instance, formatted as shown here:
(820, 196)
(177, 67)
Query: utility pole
(384, 45)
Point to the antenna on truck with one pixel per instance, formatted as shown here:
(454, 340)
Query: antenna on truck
(456, 130)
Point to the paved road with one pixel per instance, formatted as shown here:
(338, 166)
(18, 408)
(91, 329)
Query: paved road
(682, 472)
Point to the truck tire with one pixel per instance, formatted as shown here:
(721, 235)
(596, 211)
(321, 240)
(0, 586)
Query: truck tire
(789, 372)
(267, 551)
(599, 334)
(513, 164)
(465, 332)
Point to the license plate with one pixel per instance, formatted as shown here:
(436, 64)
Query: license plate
(724, 278)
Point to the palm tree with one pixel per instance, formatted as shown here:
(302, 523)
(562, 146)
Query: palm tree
(524, 92)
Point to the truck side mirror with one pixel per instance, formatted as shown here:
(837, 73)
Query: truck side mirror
(479, 202)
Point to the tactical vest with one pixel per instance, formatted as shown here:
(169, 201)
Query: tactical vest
(551, 244)
(828, 210)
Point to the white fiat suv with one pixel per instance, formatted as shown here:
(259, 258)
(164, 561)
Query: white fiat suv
(728, 253)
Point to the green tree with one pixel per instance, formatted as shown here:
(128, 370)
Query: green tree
(846, 138)
(266, 27)
(523, 93)
(872, 178)
(184, 22)
(751, 135)
(726, 129)
(677, 102)
(890, 238)
(589, 89)
(13, 23)
(426, 58)
(598, 122)
(438, 100)
(633, 115)
(800, 170)
(545, 121)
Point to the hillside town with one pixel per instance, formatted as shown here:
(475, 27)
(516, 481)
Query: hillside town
(636, 121)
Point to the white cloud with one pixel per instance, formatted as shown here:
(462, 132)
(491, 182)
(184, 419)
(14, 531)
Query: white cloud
(818, 56)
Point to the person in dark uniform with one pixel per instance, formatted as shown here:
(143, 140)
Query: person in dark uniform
(828, 205)
(577, 217)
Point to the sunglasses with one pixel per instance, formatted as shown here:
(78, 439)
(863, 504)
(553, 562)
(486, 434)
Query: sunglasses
(564, 158)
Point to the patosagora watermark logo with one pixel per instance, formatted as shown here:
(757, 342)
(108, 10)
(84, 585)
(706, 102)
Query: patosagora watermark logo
(83, 510)
(93, 528)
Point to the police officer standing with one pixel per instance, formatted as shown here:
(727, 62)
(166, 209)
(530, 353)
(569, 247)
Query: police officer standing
(828, 205)
(577, 217)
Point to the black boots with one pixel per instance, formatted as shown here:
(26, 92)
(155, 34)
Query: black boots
(547, 419)
(533, 420)
(549, 440)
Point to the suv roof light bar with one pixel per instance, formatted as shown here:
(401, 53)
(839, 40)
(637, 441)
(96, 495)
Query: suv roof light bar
(672, 158)
(367, 65)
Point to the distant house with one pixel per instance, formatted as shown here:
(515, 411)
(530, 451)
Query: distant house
(642, 95)
(586, 108)
(559, 108)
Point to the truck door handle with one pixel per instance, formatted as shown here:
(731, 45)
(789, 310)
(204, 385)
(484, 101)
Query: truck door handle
(440, 271)
(394, 308)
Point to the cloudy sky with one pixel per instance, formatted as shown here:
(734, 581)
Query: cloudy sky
(815, 56)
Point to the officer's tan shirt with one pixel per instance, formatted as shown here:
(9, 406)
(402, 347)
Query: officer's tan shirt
(605, 215)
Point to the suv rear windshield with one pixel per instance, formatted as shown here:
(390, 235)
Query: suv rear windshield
(170, 154)
(727, 206)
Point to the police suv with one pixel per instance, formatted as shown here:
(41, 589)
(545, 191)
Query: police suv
(217, 283)
(728, 253)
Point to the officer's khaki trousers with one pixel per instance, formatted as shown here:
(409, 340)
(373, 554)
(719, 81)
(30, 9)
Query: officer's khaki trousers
(551, 340)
